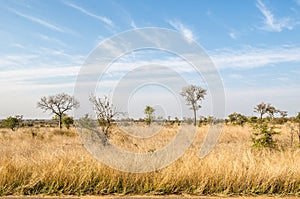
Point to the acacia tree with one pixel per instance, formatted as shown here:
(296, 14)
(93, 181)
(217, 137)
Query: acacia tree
(271, 110)
(149, 114)
(261, 109)
(193, 95)
(58, 105)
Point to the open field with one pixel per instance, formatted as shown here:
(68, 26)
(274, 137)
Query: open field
(53, 164)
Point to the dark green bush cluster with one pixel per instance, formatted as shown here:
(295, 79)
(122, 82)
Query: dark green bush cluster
(12, 122)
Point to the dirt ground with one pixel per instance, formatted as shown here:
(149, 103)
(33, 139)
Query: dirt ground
(193, 197)
(154, 197)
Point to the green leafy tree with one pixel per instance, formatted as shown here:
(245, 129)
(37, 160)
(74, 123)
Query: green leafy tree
(193, 95)
(58, 104)
(253, 119)
(237, 119)
(11, 122)
(149, 114)
(68, 121)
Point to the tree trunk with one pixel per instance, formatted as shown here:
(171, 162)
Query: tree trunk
(261, 115)
(60, 121)
(299, 132)
(195, 117)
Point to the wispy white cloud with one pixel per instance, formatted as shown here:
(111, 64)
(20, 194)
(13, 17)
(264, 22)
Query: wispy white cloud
(243, 58)
(18, 45)
(15, 61)
(21, 75)
(39, 21)
(270, 22)
(51, 39)
(187, 33)
(132, 24)
(84, 11)
(250, 57)
(233, 35)
(39, 58)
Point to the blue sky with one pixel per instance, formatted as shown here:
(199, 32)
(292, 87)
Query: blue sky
(255, 45)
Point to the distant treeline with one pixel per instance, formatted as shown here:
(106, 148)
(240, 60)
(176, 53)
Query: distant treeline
(33, 123)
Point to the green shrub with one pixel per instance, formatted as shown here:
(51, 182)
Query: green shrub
(263, 135)
(68, 121)
(10, 122)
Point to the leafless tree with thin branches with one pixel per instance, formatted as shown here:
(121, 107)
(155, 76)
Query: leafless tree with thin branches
(105, 112)
(58, 104)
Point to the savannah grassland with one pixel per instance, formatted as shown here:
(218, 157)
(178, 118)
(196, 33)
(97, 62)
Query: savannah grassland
(55, 163)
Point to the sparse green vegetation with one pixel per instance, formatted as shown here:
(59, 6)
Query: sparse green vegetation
(263, 130)
(149, 114)
(263, 135)
(237, 119)
(11, 122)
(68, 121)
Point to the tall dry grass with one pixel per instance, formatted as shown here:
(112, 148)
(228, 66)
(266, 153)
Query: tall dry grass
(53, 164)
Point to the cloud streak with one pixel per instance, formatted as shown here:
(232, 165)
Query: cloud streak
(270, 22)
(187, 33)
(37, 73)
(251, 57)
(39, 21)
(88, 13)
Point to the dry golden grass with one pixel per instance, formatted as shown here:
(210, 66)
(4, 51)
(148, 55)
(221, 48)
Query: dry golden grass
(55, 164)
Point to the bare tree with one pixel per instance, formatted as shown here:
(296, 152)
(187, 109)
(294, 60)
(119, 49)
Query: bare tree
(193, 94)
(105, 112)
(58, 104)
